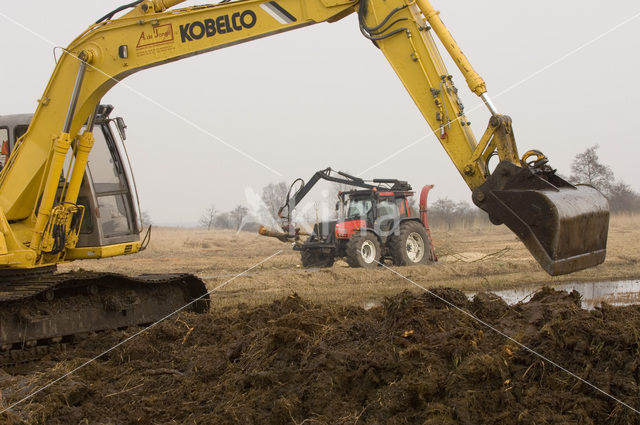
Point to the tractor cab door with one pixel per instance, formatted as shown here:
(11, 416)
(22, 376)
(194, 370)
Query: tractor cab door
(388, 214)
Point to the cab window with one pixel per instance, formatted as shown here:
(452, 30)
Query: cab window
(105, 169)
(359, 208)
(109, 183)
(4, 145)
(387, 208)
(18, 131)
(401, 203)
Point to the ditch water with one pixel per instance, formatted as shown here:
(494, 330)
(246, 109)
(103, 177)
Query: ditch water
(622, 292)
(618, 293)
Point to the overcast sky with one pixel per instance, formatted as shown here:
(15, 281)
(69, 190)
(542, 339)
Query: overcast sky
(565, 71)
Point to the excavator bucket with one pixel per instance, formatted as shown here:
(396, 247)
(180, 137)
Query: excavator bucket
(564, 226)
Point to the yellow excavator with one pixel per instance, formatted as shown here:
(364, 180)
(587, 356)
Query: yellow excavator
(67, 192)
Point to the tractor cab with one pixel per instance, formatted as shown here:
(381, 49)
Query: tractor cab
(378, 210)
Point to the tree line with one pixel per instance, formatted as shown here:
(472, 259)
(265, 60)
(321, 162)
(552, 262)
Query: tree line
(240, 217)
(586, 168)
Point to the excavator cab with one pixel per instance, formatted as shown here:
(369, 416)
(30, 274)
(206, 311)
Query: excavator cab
(108, 195)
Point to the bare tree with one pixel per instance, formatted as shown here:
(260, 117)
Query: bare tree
(223, 221)
(237, 215)
(587, 168)
(444, 212)
(444, 207)
(208, 218)
(274, 196)
(622, 198)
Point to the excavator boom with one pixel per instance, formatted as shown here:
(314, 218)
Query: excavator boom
(150, 35)
(42, 212)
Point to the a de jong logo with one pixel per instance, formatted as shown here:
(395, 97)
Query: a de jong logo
(156, 35)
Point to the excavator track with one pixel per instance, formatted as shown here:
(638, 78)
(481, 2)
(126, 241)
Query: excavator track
(43, 313)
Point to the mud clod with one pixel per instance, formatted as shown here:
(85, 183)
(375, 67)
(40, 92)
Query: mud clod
(413, 360)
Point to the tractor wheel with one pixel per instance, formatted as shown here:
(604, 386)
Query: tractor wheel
(411, 245)
(313, 258)
(363, 250)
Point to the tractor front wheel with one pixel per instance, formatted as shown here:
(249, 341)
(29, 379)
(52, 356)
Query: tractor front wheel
(315, 258)
(363, 250)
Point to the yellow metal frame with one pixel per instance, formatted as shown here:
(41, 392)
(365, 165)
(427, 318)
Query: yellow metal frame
(151, 35)
(87, 253)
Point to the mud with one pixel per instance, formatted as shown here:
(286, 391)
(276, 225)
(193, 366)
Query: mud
(413, 360)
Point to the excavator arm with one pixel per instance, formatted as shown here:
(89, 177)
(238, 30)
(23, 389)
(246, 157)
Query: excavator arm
(564, 227)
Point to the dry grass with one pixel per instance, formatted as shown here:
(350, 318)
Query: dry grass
(481, 257)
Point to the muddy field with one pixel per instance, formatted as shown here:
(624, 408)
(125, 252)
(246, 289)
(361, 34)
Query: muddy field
(413, 360)
(284, 345)
(476, 258)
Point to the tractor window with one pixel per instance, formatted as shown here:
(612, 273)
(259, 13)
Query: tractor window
(359, 208)
(387, 208)
(402, 207)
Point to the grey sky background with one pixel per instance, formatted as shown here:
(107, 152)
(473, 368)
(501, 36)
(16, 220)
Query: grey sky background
(325, 96)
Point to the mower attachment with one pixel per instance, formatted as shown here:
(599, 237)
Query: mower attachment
(563, 226)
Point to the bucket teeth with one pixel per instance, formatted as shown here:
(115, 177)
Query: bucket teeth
(564, 227)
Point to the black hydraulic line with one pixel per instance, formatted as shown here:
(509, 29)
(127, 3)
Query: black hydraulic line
(302, 185)
(286, 201)
(123, 7)
(372, 33)
(382, 37)
(362, 12)
(146, 239)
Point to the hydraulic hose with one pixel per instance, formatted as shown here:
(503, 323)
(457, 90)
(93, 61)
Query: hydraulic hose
(119, 9)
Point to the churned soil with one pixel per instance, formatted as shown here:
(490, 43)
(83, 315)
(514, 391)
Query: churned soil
(412, 360)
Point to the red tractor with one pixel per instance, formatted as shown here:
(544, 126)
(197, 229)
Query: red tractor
(375, 222)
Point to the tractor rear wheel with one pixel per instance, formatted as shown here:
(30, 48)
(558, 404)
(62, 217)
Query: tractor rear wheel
(316, 258)
(363, 250)
(410, 246)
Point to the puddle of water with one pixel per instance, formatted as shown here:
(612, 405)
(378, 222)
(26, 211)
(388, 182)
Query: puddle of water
(619, 293)
(623, 292)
